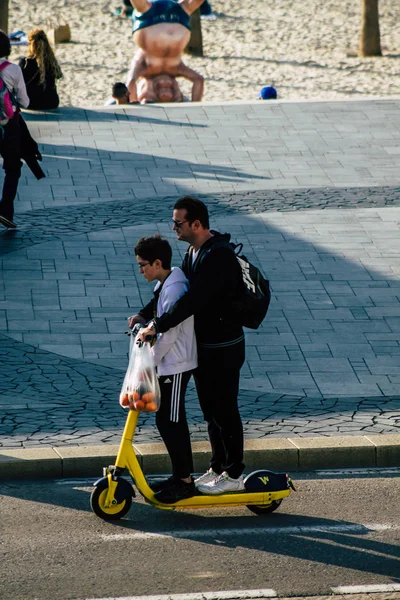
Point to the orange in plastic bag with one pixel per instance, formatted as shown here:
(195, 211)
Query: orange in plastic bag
(140, 389)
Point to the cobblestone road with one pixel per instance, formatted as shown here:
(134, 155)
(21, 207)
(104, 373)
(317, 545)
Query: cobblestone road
(326, 361)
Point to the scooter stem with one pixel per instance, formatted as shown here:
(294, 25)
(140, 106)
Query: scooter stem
(125, 446)
(130, 425)
(127, 457)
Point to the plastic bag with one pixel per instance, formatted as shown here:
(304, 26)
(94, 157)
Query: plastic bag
(140, 389)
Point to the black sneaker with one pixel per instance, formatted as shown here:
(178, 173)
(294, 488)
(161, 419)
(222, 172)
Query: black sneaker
(175, 490)
(7, 222)
(157, 486)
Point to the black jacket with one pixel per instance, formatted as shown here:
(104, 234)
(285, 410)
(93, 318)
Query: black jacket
(42, 96)
(215, 278)
(30, 150)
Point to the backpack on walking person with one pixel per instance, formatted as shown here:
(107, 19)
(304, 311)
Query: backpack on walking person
(6, 105)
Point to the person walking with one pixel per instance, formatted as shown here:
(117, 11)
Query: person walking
(215, 277)
(10, 132)
(41, 70)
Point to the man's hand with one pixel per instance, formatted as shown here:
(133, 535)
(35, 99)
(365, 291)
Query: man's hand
(141, 5)
(146, 332)
(189, 5)
(197, 80)
(135, 319)
(137, 69)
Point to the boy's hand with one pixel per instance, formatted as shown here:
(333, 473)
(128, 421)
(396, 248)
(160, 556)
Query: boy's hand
(135, 319)
(146, 332)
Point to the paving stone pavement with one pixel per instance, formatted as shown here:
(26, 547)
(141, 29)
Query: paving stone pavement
(326, 360)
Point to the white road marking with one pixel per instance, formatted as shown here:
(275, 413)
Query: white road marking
(349, 471)
(366, 589)
(226, 595)
(201, 533)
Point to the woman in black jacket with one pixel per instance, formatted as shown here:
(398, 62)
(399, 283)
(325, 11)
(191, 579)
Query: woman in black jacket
(40, 70)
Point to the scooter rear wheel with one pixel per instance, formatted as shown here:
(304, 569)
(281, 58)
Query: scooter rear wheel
(264, 510)
(98, 498)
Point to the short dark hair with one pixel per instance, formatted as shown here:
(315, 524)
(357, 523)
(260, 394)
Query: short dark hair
(151, 248)
(119, 90)
(5, 44)
(196, 210)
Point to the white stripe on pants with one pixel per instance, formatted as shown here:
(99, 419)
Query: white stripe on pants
(175, 397)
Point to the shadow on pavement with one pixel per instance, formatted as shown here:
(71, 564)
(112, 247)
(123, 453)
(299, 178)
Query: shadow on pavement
(333, 327)
(314, 539)
(110, 115)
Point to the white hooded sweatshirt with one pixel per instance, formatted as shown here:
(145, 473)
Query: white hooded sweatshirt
(175, 351)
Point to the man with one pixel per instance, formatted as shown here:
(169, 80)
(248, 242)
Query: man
(10, 138)
(160, 88)
(161, 31)
(120, 93)
(214, 276)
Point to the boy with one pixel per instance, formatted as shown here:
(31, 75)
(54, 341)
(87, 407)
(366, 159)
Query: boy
(175, 356)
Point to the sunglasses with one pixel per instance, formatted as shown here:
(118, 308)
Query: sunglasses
(179, 223)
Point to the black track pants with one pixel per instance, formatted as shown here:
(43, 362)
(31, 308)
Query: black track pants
(10, 150)
(172, 424)
(217, 384)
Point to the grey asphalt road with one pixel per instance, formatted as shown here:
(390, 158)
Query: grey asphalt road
(339, 529)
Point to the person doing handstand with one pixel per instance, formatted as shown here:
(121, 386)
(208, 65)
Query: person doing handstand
(161, 88)
(161, 30)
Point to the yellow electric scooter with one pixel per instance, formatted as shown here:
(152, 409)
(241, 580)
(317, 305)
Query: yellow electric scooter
(112, 494)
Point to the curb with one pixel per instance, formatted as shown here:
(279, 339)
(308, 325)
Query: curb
(277, 454)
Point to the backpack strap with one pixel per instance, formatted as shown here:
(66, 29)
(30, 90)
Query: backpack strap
(4, 65)
(237, 248)
(223, 243)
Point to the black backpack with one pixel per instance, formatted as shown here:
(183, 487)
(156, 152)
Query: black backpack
(250, 306)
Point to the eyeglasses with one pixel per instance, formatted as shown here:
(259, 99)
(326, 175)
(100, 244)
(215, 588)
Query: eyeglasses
(179, 223)
(142, 265)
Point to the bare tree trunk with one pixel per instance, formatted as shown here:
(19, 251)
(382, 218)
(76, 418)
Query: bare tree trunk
(370, 39)
(195, 45)
(4, 15)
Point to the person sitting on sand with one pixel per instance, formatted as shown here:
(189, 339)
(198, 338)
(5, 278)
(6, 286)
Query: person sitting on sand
(161, 31)
(40, 70)
(120, 93)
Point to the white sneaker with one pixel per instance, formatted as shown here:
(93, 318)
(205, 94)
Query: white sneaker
(222, 484)
(207, 477)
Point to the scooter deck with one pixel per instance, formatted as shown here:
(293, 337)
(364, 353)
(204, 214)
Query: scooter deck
(232, 499)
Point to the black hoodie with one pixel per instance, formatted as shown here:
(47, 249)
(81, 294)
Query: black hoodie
(215, 278)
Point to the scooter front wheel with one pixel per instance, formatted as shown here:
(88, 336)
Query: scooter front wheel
(98, 498)
(264, 510)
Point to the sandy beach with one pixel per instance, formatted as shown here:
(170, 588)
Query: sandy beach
(305, 48)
